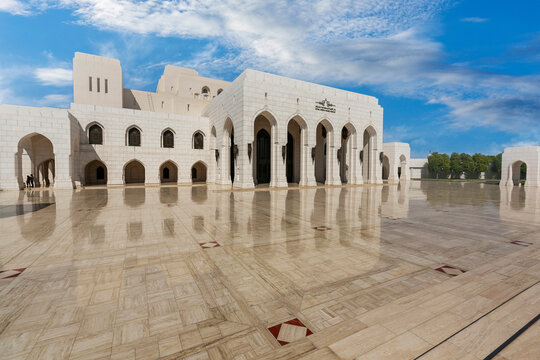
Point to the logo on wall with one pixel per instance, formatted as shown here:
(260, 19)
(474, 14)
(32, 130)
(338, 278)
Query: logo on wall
(325, 105)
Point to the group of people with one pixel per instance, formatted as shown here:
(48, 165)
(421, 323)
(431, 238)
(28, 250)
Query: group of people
(30, 181)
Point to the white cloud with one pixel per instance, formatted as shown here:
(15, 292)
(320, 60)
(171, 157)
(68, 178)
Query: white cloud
(474, 19)
(54, 76)
(388, 45)
(14, 7)
(55, 100)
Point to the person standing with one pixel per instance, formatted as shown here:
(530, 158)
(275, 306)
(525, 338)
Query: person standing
(32, 180)
(27, 181)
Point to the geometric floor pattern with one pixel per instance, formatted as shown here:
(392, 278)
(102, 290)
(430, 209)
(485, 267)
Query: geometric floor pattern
(9, 274)
(128, 273)
(450, 270)
(209, 245)
(289, 331)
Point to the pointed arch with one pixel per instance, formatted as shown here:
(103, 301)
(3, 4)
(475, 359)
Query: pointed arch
(347, 154)
(35, 157)
(198, 172)
(369, 154)
(198, 140)
(95, 173)
(295, 164)
(324, 140)
(168, 172)
(134, 172)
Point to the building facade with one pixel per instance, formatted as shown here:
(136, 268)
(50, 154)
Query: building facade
(259, 129)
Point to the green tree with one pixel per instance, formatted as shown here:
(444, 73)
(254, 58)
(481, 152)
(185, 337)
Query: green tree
(496, 164)
(438, 164)
(455, 165)
(481, 163)
(467, 164)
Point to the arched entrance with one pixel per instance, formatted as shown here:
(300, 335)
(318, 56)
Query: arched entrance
(134, 172)
(347, 159)
(35, 156)
(369, 156)
(263, 156)
(228, 159)
(168, 172)
(198, 172)
(294, 156)
(95, 173)
(324, 134)
(519, 172)
(262, 147)
(385, 168)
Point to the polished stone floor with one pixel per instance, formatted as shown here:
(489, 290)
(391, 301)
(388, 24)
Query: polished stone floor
(425, 270)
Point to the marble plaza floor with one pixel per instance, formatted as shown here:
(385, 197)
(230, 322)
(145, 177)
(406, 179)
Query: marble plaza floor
(424, 270)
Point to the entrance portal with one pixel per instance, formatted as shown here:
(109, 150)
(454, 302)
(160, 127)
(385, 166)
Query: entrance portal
(134, 173)
(95, 173)
(263, 157)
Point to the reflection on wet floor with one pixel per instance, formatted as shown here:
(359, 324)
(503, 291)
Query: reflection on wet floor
(193, 272)
(15, 210)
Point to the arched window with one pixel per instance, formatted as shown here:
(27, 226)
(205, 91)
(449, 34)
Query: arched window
(95, 135)
(168, 139)
(205, 90)
(198, 141)
(100, 173)
(219, 91)
(134, 137)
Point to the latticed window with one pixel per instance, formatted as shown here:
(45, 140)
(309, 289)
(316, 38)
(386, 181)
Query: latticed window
(134, 137)
(168, 139)
(95, 135)
(198, 141)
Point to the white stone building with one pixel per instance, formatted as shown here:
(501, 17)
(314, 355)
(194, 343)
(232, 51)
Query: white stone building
(513, 159)
(259, 129)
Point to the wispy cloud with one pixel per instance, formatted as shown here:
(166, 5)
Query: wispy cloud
(388, 45)
(55, 100)
(14, 7)
(474, 19)
(54, 76)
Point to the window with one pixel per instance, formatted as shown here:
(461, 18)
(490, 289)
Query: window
(168, 139)
(205, 90)
(98, 85)
(100, 173)
(198, 141)
(89, 83)
(219, 91)
(106, 86)
(95, 135)
(134, 137)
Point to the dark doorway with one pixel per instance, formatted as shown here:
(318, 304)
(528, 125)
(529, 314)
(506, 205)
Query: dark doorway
(263, 157)
(166, 173)
(100, 173)
(290, 158)
(231, 152)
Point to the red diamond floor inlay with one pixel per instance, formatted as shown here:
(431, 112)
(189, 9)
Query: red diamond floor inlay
(209, 245)
(520, 243)
(450, 270)
(322, 228)
(8, 274)
(289, 331)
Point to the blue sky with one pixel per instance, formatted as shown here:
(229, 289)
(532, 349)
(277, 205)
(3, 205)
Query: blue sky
(451, 75)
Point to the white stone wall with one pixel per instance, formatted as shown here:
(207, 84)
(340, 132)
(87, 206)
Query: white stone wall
(253, 93)
(418, 168)
(20, 123)
(399, 155)
(280, 99)
(115, 153)
(511, 161)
